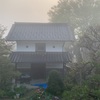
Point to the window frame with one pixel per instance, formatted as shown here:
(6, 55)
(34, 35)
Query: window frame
(40, 47)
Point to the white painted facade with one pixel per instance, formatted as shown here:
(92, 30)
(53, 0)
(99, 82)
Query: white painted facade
(29, 46)
(54, 47)
(25, 46)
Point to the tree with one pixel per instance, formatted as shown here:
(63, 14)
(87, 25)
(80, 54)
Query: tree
(55, 84)
(78, 13)
(83, 80)
(7, 71)
(81, 15)
(91, 41)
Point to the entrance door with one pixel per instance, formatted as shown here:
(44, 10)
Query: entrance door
(38, 71)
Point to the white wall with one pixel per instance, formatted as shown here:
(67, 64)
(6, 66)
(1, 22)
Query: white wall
(54, 47)
(50, 46)
(21, 46)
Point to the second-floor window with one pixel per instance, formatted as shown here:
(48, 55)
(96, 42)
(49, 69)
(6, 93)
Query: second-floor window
(40, 47)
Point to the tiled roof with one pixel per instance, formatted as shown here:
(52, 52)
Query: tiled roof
(40, 31)
(35, 57)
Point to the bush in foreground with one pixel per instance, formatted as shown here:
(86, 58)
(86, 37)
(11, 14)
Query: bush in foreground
(55, 84)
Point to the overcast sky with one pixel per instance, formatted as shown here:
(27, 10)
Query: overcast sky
(24, 11)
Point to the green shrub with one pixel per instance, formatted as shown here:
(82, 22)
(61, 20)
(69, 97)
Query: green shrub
(55, 84)
(94, 86)
(77, 93)
(90, 90)
(10, 94)
(20, 90)
(2, 93)
(94, 82)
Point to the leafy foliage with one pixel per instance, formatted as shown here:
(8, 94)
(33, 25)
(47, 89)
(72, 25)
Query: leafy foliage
(6, 68)
(7, 71)
(84, 77)
(76, 93)
(78, 13)
(20, 90)
(55, 84)
(89, 90)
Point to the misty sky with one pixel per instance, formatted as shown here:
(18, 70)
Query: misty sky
(24, 11)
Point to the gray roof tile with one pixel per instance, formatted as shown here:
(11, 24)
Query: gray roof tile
(35, 57)
(40, 31)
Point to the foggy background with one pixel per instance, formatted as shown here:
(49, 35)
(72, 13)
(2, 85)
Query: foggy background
(24, 11)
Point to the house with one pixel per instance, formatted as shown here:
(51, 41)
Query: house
(40, 47)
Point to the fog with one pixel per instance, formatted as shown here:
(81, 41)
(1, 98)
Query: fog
(24, 11)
